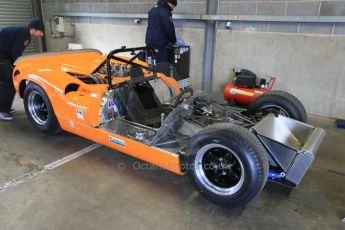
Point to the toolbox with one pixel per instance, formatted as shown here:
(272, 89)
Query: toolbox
(179, 59)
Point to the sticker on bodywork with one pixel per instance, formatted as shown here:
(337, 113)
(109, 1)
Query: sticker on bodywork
(117, 141)
(71, 123)
(111, 104)
(80, 114)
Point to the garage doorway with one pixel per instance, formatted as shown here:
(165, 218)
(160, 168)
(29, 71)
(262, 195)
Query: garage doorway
(18, 13)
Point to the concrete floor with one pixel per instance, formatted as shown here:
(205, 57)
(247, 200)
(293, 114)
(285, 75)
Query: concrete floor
(93, 192)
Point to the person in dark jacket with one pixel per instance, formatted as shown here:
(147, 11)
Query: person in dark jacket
(13, 41)
(161, 30)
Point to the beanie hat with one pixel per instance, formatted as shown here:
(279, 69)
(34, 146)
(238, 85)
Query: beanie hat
(173, 2)
(36, 24)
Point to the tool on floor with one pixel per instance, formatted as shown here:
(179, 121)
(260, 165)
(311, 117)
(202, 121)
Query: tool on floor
(340, 123)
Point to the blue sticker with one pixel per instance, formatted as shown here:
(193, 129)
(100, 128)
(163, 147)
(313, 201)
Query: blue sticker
(111, 104)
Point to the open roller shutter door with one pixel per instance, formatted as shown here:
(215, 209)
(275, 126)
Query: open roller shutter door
(18, 13)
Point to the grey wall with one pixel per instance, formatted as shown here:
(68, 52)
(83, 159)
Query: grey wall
(109, 33)
(306, 57)
(310, 67)
(285, 8)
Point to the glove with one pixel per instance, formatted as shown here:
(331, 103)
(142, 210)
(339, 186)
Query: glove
(179, 41)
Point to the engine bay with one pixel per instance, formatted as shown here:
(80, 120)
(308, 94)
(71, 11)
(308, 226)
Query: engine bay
(118, 70)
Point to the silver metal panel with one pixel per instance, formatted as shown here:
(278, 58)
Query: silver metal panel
(276, 129)
(187, 16)
(290, 134)
(299, 168)
(313, 142)
(299, 129)
(278, 154)
(102, 15)
(161, 90)
(120, 15)
(294, 134)
(18, 13)
(263, 18)
(128, 130)
(213, 17)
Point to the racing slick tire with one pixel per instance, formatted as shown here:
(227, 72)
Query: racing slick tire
(227, 164)
(39, 110)
(278, 102)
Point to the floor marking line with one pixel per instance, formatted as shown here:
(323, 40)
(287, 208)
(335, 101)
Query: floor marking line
(191, 197)
(336, 172)
(19, 180)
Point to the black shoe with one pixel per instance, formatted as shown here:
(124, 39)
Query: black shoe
(6, 117)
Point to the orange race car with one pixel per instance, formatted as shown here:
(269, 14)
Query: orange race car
(127, 105)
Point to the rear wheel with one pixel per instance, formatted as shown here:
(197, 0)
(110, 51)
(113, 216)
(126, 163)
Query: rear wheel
(227, 164)
(279, 103)
(39, 110)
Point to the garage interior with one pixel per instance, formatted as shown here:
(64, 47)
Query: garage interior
(302, 43)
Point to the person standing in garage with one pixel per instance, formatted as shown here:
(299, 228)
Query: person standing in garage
(13, 41)
(161, 30)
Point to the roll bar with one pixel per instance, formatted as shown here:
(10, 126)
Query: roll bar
(112, 55)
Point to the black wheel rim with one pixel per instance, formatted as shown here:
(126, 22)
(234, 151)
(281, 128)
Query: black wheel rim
(219, 169)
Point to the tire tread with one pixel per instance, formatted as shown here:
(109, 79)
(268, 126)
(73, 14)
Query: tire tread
(255, 149)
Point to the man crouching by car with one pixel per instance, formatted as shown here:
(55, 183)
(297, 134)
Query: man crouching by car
(13, 41)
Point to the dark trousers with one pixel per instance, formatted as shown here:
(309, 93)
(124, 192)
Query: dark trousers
(162, 59)
(7, 90)
(161, 55)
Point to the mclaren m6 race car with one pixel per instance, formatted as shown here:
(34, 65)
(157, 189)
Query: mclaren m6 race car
(127, 105)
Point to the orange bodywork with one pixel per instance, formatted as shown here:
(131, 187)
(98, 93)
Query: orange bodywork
(50, 71)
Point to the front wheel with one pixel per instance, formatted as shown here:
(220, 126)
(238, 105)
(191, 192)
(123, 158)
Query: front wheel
(39, 110)
(227, 164)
